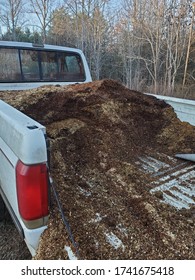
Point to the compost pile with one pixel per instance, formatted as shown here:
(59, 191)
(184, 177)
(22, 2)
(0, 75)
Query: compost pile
(97, 133)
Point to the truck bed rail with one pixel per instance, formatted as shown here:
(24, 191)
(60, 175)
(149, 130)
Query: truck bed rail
(184, 108)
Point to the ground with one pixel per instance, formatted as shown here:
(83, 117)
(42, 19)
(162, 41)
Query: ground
(122, 191)
(12, 247)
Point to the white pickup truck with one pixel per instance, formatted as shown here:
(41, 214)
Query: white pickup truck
(24, 151)
(24, 157)
(24, 168)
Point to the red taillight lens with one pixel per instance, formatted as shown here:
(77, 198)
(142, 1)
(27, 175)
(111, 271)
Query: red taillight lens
(32, 190)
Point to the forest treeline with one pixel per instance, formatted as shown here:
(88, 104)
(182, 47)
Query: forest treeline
(148, 45)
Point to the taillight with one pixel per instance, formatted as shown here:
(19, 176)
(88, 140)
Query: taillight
(32, 190)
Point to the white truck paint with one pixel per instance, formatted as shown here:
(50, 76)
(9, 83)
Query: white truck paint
(184, 108)
(21, 138)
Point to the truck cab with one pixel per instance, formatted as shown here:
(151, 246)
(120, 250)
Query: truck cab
(26, 65)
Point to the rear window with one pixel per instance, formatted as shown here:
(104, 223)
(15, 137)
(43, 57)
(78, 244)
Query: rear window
(23, 65)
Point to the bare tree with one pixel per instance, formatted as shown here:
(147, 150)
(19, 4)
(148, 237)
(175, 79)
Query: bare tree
(154, 38)
(12, 15)
(43, 11)
(189, 42)
(143, 40)
(176, 34)
(86, 23)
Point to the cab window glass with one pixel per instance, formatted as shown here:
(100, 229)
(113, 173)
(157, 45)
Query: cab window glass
(49, 65)
(10, 66)
(30, 65)
(70, 67)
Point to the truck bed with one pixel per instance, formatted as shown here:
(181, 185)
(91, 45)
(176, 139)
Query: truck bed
(122, 190)
(172, 180)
